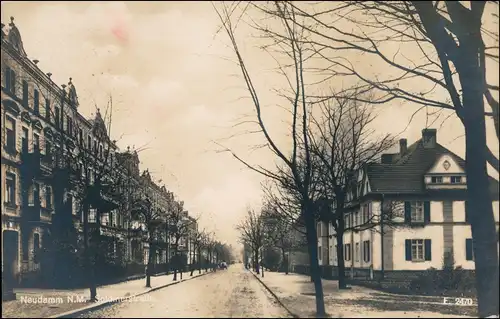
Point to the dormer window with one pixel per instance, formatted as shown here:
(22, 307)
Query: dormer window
(436, 179)
(456, 179)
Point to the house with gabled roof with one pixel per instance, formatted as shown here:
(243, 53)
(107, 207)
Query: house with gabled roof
(421, 194)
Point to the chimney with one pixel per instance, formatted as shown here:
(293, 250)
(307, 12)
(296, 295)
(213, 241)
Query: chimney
(403, 146)
(429, 137)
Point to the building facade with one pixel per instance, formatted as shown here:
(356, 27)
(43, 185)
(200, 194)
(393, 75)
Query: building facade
(407, 214)
(46, 143)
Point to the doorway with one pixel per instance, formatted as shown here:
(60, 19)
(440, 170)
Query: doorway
(10, 249)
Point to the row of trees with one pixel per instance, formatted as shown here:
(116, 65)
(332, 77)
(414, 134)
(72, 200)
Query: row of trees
(317, 46)
(91, 179)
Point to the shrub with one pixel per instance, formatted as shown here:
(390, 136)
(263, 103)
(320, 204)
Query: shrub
(449, 279)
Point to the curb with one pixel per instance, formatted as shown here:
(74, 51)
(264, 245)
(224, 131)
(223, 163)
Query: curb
(274, 295)
(97, 306)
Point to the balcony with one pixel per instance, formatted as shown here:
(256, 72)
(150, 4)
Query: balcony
(36, 165)
(34, 212)
(108, 231)
(101, 199)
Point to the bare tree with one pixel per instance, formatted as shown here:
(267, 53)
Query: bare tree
(146, 211)
(278, 231)
(252, 234)
(180, 226)
(196, 238)
(293, 49)
(453, 48)
(343, 142)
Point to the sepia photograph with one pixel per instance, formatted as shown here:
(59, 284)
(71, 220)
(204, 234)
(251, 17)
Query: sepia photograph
(250, 159)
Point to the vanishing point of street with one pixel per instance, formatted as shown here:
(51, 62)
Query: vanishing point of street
(231, 293)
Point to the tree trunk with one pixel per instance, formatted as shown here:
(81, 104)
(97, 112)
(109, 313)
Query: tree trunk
(174, 264)
(199, 261)
(256, 261)
(87, 255)
(479, 207)
(283, 258)
(193, 261)
(312, 244)
(341, 262)
(339, 233)
(150, 265)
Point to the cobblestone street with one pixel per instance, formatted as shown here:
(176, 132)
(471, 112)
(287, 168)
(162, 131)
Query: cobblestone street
(224, 294)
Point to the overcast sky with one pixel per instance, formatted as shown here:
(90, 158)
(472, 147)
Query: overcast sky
(174, 93)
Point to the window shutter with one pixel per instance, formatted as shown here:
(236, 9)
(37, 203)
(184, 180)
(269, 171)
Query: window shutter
(427, 212)
(467, 218)
(468, 249)
(408, 249)
(407, 212)
(428, 249)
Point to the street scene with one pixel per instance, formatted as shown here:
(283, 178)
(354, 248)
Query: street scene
(250, 159)
(233, 293)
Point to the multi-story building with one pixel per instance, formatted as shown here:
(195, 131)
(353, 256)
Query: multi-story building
(46, 140)
(421, 193)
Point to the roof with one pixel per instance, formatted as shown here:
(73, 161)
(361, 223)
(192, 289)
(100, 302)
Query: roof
(406, 174)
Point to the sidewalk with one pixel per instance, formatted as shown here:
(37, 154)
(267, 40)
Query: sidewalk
(33, 303)
(296, 292)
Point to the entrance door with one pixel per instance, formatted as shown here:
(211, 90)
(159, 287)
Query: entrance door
(10, 255)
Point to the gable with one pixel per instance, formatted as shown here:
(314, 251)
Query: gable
(446, 165)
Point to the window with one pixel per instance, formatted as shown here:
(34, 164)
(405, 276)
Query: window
(92, 215)
(48, 197)
(25, 140)
(36, 102)
(57, 117)
(347, 252)
(35, 195)
(418, 250)
(436, 179)
(319, 252)
(89, 141)
(48, 148)
(80, 136)
(417, 212)
(36, 247)
(356, 252)
(25, 93)
(10, 80)
(47, 110)
(95, 146)
(10, 126)
(366, 251)
(10, 188)
(346, 221)
(36, 143)
(469, 249)
(100, 151)
(366, 214)
(318, 230)
(356, 219)
(69, 125)
(456, 179)
(70, 204)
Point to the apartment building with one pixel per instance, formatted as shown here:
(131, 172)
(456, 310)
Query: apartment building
(40, 123)
(421, 194)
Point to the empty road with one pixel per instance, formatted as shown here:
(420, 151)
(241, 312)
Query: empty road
(225, 294)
